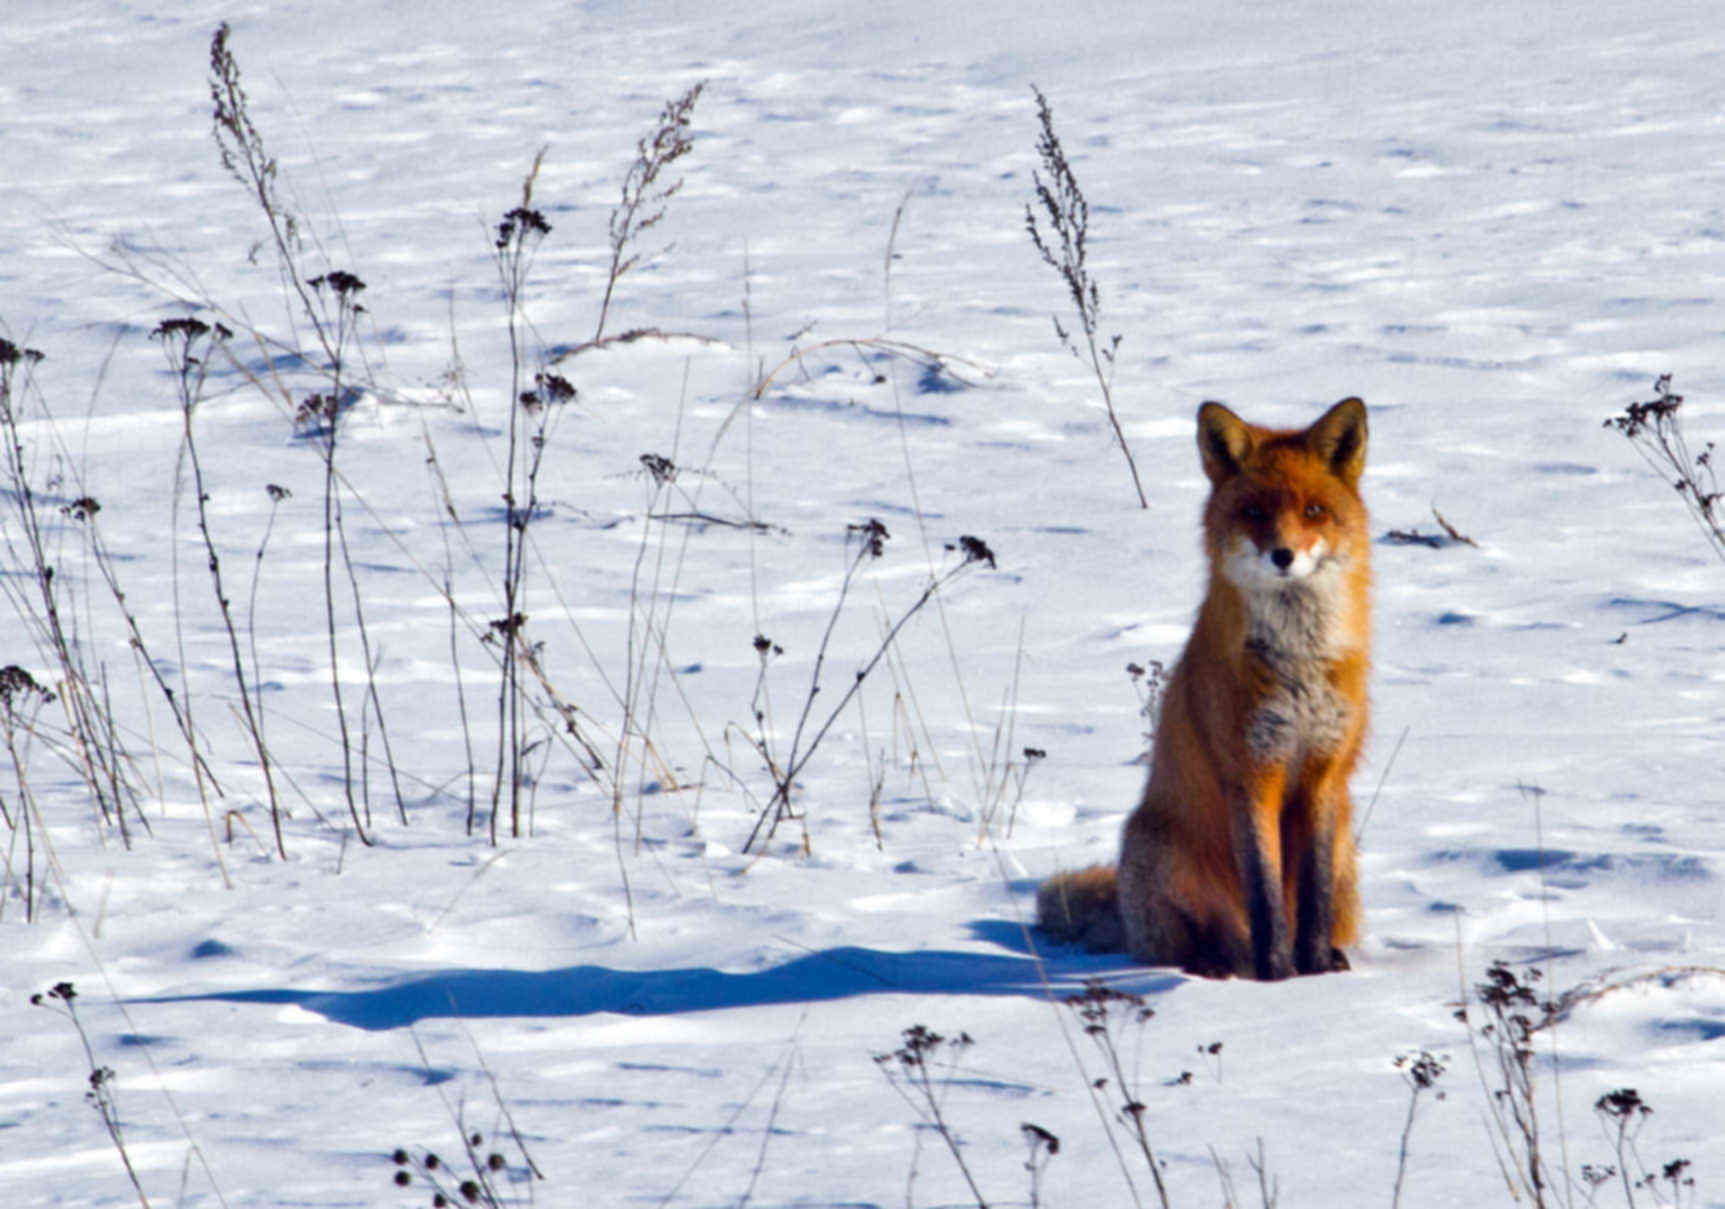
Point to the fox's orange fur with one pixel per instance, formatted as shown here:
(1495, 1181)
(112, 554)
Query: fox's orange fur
(1240, 856)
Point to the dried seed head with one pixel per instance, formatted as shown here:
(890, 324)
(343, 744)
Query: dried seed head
(342, 283)
(1038, 1136)
(317, 413)
(555, 387)
(976, 550)
(508, 627)
(873, 534)
(520, 223)
(1622, 1104)
(17, 683)
(663, 469)
(186, 327)
(11, 354)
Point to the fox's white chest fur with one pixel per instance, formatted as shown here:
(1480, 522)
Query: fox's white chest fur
(1297, 626)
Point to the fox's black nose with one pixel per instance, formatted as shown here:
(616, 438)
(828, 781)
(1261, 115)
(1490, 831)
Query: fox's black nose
(1282, 557)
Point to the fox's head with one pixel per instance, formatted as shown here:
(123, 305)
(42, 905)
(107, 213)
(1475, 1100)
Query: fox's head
(1284, 504)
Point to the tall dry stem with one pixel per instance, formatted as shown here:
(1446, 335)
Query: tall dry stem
(187, 343)
(1060, 237)
(646, 192)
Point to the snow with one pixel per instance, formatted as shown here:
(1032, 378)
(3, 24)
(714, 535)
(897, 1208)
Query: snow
(1496, 223)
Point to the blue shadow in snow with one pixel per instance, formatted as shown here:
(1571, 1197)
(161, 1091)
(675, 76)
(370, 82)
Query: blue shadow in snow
(839, 973)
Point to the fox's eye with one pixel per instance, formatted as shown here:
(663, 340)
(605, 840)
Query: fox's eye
(1255, 513)
(1316, 512)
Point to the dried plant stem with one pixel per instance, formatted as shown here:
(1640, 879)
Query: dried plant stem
(519, 235)
(880, 344)
(1656, 431)
(446, 503)
(633, 734)
(85, 509)
(93, 739)
(187, 343)
(332, 519)
(1067, 215)
(19, 692)
(372, 700)
(785, 771)
(277, 495)
(241, 148)
(1422, 1071)
(1402, 1151)
(1513, 1012)
(645, 194)
(1102, 1011)
(101, 1081)
(328, 302)
(632, 336)
(320, 416)
(910, 1063)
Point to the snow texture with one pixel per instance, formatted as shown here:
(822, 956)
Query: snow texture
(1496, 223)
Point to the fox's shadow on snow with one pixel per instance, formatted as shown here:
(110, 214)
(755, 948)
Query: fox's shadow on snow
(837, 973)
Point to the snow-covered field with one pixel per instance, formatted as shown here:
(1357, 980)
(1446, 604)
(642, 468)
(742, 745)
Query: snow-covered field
(1496, 223)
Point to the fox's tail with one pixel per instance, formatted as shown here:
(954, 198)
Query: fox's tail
(1082, 907)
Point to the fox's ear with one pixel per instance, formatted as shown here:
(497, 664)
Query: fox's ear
(1339, 438)
(1224, 440)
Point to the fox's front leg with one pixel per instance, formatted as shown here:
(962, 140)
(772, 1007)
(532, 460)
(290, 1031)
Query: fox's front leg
(1258, 855)
(1313, 822)
(1316, 913)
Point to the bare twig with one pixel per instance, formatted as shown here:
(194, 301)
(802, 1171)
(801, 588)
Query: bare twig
(645, 193)
(881, 344)
(907, 1069)
(187, 344)
(872, 537)
(1104, 1012)
(1422, 1071)
(1066, 214)
(1656, 431)
(101, 1094)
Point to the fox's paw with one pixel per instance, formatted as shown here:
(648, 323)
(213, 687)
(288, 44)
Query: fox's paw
(1334, 961)
(1270, 966)
(1209, 965)
(1276, 969)
(1327, 959)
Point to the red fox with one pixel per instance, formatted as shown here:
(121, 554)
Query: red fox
(1240, 856)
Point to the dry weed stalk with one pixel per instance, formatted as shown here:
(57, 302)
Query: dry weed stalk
(329, 301)
(1066, 216)
(870, 539)
(645, 192)
(1421, 1072)
(1513, 1012)
(1104, 1014)
(909, 1069)
(1656, 431)
(101, 1080)
(21, 699)
(187, 343)
(96, 751)
(519, 235)
(943, 362)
